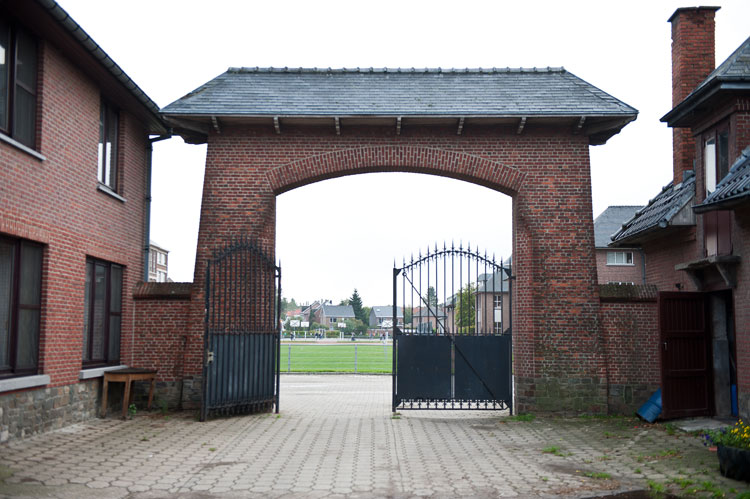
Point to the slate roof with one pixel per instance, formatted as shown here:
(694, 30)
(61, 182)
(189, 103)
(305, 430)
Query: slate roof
(338, 311)
(659, 212)
(400, 92)
(733, 188)
(498, 283)
(610, 221)
(732, 74)
(387, 312)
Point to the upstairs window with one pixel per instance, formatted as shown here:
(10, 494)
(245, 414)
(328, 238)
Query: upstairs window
(108, 123)
(18, 54)
(20, 306)
(715, 158)
(498, 301)
(102, 315)
(620, 258)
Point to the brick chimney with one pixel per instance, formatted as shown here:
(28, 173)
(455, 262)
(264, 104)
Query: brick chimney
(692, 61)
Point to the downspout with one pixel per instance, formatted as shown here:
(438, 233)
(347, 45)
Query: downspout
(643, 264)
(147, 222)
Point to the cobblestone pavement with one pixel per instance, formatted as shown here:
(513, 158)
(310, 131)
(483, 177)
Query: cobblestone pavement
(336, 437)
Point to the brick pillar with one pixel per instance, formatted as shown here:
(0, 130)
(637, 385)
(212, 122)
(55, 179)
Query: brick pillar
(692, 61)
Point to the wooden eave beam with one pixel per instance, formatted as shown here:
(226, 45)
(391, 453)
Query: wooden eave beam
(276, 125)
(337, 123)
(398, 125)
(579, 126)
(215, 123)
(521, 125)
(460, 129)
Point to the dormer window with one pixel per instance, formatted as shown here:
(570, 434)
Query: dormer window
(18, 54)
(715, 158)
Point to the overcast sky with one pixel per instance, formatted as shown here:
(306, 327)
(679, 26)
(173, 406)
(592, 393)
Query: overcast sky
(362, 223)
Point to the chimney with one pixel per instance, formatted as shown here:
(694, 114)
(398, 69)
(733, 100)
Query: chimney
(692, 61)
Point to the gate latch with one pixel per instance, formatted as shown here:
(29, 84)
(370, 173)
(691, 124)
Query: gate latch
(209, 357)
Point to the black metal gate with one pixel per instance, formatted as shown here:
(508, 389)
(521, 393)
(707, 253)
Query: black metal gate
(452, 342)
(241, 342)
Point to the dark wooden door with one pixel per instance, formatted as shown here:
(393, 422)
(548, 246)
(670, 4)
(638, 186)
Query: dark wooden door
(686, 367)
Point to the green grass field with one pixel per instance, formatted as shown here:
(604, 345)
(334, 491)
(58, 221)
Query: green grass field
(312, 358)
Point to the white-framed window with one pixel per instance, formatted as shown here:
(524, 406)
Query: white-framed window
(161, 258)
(498, 329)
(161, 276)
(620, 258)
(107, 151)
(333, 320)
(498, 299)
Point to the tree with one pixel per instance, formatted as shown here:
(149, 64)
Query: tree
(407, 315)
(356, 302)
(355, 326)
(432, 299)
(366, 314)
(466, 310)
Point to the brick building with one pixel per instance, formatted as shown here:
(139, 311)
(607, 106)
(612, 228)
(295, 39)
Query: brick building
(696, 232)
(624, 265)
(74, 182)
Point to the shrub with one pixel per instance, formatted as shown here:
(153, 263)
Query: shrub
(737, 436)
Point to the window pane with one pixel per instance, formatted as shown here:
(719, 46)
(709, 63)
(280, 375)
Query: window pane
(28, 339)
(101, 172)
(24, 117)
(100, 296)
(610, 257)
(629, 257)
(4, 48)
(111, 147)
(6, 282)
(116, 293)
(26, 61)
(30, 280)
(87, 310)
(709, 158)
(114, 338)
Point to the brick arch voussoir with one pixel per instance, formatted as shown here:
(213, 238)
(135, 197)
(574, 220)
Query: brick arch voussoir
(446, 163)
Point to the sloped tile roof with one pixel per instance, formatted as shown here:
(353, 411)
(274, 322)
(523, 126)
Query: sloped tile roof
(498, 283)
(387, 311)
(659, 212)
(401, 92)
(733, 188)
(736, 66)
(338, 310)
(610, 221)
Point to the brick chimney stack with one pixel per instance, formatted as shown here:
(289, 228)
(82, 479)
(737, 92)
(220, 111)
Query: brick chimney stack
(693, 59)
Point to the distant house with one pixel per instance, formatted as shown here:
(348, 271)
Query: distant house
(617, 265)
(158, 262)
(428, 319)
(380, 315)
(330, 315)
(492, 303)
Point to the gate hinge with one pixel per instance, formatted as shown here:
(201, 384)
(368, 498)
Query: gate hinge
(209, 357)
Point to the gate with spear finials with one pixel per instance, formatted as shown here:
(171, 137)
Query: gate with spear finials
(453, 348)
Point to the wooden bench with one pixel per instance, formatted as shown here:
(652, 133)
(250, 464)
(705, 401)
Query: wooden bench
(127, 376)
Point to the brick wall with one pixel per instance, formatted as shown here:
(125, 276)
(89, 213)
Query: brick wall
(56, 202)
(546, 171)
(664, 252)
(630, 330)
(619, 273)
(741, 242)
(162, 340)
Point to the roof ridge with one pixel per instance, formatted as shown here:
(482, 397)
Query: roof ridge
(438, 70)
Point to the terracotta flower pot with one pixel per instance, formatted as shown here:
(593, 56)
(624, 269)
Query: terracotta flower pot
(734, 463)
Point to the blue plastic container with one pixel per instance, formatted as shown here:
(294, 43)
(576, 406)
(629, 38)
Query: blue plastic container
(734, 401)
(652, 408)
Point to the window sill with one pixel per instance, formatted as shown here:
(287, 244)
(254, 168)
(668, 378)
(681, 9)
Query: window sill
(106, 190)
(97, 372)
(620, 265)
(7, 385)
(22, 147)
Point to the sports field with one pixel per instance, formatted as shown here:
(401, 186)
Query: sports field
(336, 358)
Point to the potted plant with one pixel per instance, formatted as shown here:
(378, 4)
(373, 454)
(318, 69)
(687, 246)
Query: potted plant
(733, 449)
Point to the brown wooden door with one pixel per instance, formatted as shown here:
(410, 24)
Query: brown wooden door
(686, 367)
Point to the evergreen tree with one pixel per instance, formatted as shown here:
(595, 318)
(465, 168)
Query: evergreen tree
(356, 302)
(432, 299)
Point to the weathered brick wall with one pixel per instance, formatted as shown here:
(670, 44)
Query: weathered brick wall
(559, 363)
(631, 336)
(162, 340)
(741, 243)
(619, 273)
(664, 252)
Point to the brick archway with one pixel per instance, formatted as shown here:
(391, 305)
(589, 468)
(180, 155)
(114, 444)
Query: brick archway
(558, 358)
